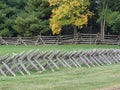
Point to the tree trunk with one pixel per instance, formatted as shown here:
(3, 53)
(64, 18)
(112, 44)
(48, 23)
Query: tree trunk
(75, 30)
(75, 33)
(103, 22)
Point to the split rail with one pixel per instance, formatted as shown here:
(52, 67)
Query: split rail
(62, 39)
(37, 61)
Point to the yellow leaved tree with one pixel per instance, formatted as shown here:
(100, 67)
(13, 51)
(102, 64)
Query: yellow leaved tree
(68, 12)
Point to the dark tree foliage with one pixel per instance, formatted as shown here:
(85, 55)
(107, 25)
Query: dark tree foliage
(24, 17)
(31, 17)
(106, 16)
(35, 19)
(114, 5)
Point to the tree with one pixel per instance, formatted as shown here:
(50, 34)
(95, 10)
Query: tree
(34, 20)
(69, 12)
(114, 16)
(108, 11)
(24, 17)
(113, 22)
(102, 9)
(114, 5)
(9, 10)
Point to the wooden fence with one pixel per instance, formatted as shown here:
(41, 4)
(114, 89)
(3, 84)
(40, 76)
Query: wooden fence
(65, 39)
(25, 62)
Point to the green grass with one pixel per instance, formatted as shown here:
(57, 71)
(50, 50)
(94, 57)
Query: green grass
(17, 49)
(65, 79)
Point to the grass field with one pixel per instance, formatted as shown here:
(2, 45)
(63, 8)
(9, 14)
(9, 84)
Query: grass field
(64, 79)
(17, 49)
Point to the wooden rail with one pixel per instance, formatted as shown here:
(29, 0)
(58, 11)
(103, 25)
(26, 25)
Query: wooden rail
(65, 39)
(25, 62)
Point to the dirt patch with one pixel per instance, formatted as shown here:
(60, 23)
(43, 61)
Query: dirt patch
(115, 87)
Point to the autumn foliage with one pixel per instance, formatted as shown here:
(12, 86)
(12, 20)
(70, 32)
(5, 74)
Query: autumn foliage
(68, 12)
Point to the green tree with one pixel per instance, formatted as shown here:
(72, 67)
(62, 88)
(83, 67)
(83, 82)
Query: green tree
(103, 9)
(34, 20)
(9, 10)
(108, 11)
(114, 5)
(113, 22)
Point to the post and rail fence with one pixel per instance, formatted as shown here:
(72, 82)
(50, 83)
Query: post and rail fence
(79, 38)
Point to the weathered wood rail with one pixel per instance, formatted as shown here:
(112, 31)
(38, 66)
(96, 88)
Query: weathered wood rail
(65, 39)
(25, 62)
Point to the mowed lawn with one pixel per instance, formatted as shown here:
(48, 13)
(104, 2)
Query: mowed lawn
(64, 79)
(4, 49)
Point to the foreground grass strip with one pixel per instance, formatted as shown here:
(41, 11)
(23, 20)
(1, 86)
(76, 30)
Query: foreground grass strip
(17, 49)
(65, 79)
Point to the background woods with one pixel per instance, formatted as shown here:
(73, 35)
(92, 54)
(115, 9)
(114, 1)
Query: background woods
(34, 17)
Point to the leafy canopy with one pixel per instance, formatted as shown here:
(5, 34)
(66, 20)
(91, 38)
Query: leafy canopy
(35, 18)
(68, 12)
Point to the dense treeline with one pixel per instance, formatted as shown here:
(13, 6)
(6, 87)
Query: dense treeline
(24, 17)
(31, 17)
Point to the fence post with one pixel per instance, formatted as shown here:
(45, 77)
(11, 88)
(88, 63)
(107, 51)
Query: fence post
(118, 40)
(19, 40)
(39, 40)
(98, 39)
(2, 41)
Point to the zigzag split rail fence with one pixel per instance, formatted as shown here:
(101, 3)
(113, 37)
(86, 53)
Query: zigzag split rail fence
(25, 62)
